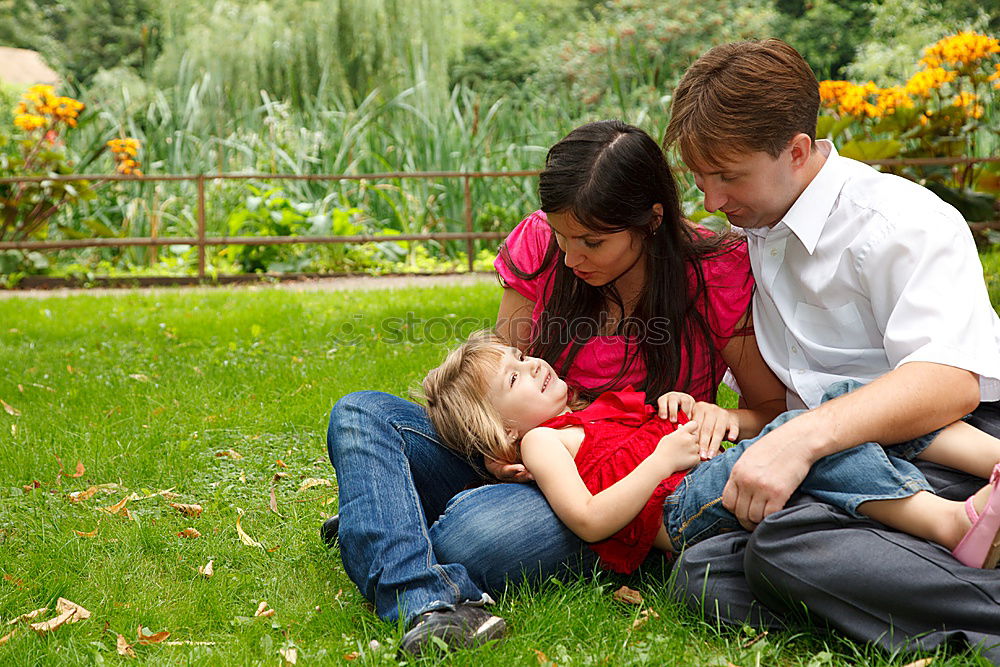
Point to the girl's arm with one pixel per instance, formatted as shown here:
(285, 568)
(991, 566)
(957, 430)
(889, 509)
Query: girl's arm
(763, 394)
(596, 517)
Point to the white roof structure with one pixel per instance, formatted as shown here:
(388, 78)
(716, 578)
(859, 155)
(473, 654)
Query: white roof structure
(25, 67)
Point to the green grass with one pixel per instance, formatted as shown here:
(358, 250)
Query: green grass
(144, 388)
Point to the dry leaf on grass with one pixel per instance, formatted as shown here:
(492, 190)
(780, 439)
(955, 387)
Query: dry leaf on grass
(187, 642)
(280, 464)
(231, 453)
(141, 377)
(278, 476)
(187, 510)
(542, 658)
(10, 409)
(273, 503)
(353, 655)
(119, 507)
(313, 481)
(28, 616)
(168, 494)
(69, 612)
(244, 538)
(124, 648)
(206, 570)
(923, 662)
(147, 636)
(189, 532)
(79, 470)
(31, 486)
(290, 654)
(80, 496)
(10, 577)
(6, 637)
(628, 595)
(263, 611)
(92, 533)
(644, 616)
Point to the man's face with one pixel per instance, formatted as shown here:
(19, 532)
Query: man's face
(754, 190)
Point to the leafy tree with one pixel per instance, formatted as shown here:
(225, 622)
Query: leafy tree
(826, 32)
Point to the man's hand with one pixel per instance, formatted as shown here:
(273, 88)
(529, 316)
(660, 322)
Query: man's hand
(765, 477)
(715, 424)
(506, 471)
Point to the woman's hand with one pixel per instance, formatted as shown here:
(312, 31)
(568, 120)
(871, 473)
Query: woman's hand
(715, 424)
(679, 450)
(506, 471)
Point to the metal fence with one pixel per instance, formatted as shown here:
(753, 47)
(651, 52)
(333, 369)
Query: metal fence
(202, 240)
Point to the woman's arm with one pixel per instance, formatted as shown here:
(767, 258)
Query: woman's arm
(763, 394)
(514, 318)
(596, 517)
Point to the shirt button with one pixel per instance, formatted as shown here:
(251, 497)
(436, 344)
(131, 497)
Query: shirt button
(795, 349)
(774, 252)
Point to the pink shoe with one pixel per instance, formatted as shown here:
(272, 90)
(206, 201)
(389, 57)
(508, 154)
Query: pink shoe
(981, 545)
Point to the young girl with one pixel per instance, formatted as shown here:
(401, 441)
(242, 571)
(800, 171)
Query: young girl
(625, 479)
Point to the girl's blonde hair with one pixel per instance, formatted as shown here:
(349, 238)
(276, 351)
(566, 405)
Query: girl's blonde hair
(456, 397)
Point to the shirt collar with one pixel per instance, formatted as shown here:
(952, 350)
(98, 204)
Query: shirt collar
(808, 215)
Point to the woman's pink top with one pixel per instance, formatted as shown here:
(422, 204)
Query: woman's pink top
(729, 286)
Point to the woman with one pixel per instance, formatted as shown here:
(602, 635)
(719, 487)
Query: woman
(612, 287)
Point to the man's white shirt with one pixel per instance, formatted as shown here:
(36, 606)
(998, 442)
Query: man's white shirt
(868, 271)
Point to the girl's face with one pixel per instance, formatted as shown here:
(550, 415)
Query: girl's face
(597, 259)
(525, 391)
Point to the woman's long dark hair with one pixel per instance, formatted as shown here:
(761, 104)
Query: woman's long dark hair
(608, 175)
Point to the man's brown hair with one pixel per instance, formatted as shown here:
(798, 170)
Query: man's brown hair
(740, 97)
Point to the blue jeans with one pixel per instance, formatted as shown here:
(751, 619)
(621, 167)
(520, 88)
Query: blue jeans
(413, 536)
(868, 471)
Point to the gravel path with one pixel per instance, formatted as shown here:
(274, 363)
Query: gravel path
(318, 285)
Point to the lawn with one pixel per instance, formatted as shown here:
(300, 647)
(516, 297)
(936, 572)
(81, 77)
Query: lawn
(219, 398)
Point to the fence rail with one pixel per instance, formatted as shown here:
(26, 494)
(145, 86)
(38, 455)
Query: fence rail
(202, 240)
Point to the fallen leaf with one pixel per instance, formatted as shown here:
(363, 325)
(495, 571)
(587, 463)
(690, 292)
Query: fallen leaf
(628, 595)
(353, 655)
(188, 642)
(273, 504)
(231, 453)
(278, 476)
(189, 532)
(10, 409)
(79, 470)
(263, 611)
(28, 616)
(187, 510)
(169, 495)
(644, 616)
(6, 637)
(923, 662)
(244, 538)
(31, 486)
(119, 506)
(124, 648)
(146, 636)
(80, 496)
(11, 578)
(79, 613)
(92, 533)
(542, 658)
(206, 570)
(243, 476)
(52, 624)
(280, 464)
(141, 377)
(290, 654)
(314, 481)
(69, 369)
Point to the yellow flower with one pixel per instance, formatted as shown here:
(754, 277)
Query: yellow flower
(831, 91)
(968, 101)
(854, 100)
(965, 48)
(29, 122)
(995, 76)
(891, 99)
(922, 83)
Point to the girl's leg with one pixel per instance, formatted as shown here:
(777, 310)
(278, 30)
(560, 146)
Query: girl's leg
(964, 447)
(926, 515)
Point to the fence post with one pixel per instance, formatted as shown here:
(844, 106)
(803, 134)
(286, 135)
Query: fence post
(470, 245)
(201, 226)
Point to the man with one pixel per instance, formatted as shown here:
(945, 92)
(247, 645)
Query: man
(860, 275)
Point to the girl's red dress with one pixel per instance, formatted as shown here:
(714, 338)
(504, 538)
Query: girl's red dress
(620, 430)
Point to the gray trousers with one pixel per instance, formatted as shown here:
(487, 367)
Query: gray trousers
(868, 582)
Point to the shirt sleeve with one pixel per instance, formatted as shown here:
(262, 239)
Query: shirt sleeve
(929, 298)
(728, 290)
(526, 246)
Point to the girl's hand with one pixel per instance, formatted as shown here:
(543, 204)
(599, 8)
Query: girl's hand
(506, 471)
(717, 424)
(680, 449)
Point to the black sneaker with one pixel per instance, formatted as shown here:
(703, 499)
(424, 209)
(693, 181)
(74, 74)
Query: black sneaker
(330, 530)
(464, 627)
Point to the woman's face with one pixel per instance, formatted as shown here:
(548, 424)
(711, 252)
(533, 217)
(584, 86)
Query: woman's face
(597, 259)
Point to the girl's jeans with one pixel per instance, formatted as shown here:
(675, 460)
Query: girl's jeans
(413, 536)
(846, 479)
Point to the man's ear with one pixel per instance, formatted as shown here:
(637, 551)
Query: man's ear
(801, 148)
